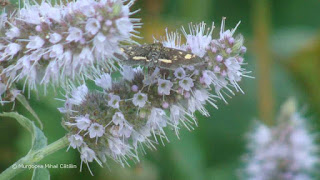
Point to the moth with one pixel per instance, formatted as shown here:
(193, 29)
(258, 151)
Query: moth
(156, 55)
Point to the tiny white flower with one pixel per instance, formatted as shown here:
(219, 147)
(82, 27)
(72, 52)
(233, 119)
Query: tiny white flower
(100, 37)
(87, 154)
(199, 38)
(164, 86)
(83, 122)
(13, 32)
(56, 51)
(36, 42)
(75, 141)
(118, 118)
(85, 57)
(128, 73)
(89, 10)
(92, 26)
(124, 26)
(201, 95)
(105, 81)
(12, 49)
(55, 38)
(75, 34)
(157, 119)
(114, 101)
(117, 146)
(122, 131)
(233, 69)
(140, 99)
(186, 83)
(173, 40)
(126, 130)
(175, 114)
(207, 77)
(179, 73)
(50, 12)
(95, 130)
(78, 94)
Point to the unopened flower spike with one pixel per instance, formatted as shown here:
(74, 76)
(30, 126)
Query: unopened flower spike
(285, 151)
(50, 43)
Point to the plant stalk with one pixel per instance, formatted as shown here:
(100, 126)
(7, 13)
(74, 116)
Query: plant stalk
(33, 157)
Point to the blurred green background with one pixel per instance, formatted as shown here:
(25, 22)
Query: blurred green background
(283, 41)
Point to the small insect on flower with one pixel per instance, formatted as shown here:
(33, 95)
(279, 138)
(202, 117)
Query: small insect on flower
(156, 55)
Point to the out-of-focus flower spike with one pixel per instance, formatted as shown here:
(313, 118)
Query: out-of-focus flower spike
(285, 151)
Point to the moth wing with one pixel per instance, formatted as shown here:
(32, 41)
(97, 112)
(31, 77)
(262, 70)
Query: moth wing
(135, 55)
(174, 58)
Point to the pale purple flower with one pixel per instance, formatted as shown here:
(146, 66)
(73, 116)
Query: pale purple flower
(164, 86)
(78, 95)
(55, 38)
(87, 154)
(117, 146)
(118, 119)
(83, 122)
(180, 73)
(75, 140)
(36, 42)
(199, 38)
(13, 32)
(96, 130)
(127, 73)
(186, 83)
(92, 26)
(233, 69)
(140, 99)
(157, 119)
(12, 49)
(56, 51)
(75, 34)
(114, 101)
(105, 81)
(124, 26)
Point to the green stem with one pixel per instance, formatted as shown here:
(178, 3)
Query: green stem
(261, 26)
(33, 157)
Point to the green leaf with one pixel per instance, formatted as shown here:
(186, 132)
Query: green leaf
(41, 174)
(39, 140)
(26, 104)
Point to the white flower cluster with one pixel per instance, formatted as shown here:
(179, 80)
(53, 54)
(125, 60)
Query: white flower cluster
(134, 111)
(223, 56)
(286, 151)
(48, 43)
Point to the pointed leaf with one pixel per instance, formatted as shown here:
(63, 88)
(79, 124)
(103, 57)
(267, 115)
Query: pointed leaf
(26, 104)
(38, 138)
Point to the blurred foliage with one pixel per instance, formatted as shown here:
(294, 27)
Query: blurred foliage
(213, 150)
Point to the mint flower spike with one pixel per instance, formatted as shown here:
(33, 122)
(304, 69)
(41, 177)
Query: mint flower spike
(285, 151)
(223, 56)
(51, 43)
(134, 117)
